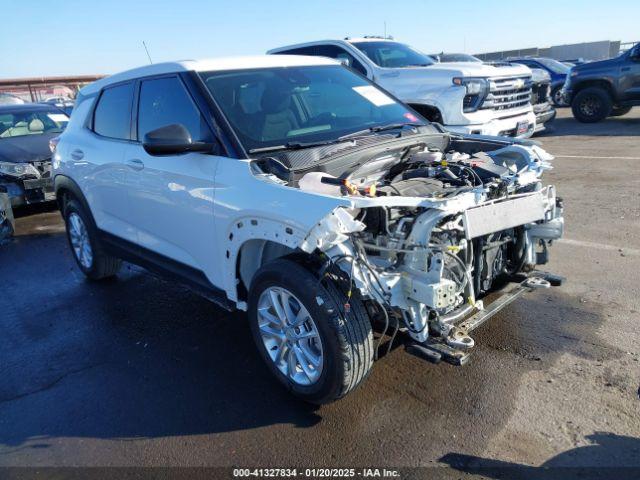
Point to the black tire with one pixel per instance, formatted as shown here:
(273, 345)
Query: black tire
(102, 265)
(591, 105)
(347, 338)
(556, 97)
(620, 111)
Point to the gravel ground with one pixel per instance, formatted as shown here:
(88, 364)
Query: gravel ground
(141, 372)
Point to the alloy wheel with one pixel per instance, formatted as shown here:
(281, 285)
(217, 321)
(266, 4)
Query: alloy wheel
(80, 243)
(590, 106)
(290, 336)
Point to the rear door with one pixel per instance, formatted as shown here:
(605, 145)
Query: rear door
(98, 154)
(172, 195)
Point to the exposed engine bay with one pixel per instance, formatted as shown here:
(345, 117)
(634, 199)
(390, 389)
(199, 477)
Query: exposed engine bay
(434, 223)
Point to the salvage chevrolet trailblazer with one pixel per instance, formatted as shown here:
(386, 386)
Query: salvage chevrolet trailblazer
(297, 190)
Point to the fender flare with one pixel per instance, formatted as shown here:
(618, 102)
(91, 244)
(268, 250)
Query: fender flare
(64, 185)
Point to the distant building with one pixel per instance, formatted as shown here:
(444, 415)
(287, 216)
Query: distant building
(588, 51)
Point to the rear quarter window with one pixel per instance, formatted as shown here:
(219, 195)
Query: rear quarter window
(112, 116)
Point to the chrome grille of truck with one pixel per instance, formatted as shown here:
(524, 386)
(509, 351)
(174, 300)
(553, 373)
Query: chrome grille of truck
(508, 93)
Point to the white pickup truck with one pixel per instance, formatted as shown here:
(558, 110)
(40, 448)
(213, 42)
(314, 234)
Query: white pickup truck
(464, 97)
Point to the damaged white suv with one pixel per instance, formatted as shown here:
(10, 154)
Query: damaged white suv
(293, 188)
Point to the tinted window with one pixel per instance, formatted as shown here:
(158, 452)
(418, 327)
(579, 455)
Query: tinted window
(393, 54)
(528, 63)
(112, 117)
(276, 106)
(333, 51)
(554, 65)
(458, 57)
(165, 101)
(299, 51)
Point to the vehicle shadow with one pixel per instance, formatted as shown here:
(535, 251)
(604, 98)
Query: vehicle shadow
(609, 456)
(626, 125)
(139, 358)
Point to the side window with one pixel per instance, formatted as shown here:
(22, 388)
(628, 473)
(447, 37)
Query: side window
(112, 116)
(333, 51)
(165, 101)
(299, 51)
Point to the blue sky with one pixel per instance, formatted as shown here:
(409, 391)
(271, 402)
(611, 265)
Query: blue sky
(58, 37)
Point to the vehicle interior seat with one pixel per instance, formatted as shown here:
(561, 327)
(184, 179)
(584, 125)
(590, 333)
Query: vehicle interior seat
(36, 126)
(18, 129)
(278, 119)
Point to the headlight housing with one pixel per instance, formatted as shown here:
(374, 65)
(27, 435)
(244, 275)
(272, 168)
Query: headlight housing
(18, 169)
(476, 91)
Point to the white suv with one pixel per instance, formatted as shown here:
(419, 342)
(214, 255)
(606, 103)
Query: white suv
(465, 97)
(297, 190)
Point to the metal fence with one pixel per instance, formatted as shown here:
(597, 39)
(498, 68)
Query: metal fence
(589, 51)
(39, 89)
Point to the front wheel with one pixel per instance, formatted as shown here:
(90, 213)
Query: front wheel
(591, 105)
(557, 98)
(316, 348)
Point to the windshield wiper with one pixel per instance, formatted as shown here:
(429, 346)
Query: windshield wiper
(349, 136)
(380, 128)
(296, 145)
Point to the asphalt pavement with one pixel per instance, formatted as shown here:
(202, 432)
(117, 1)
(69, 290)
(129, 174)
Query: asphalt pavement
(142, 372)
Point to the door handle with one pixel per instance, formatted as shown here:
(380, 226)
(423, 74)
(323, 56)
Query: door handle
(77, 154)
(135, 164)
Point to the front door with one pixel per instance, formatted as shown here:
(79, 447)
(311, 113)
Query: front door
(171, 196)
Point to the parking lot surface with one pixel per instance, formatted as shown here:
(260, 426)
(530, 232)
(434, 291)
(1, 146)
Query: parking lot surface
(139, 371)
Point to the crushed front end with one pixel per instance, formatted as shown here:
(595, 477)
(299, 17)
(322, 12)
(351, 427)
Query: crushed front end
(438, 232)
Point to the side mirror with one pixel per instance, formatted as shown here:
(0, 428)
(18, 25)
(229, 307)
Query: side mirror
(172, 139)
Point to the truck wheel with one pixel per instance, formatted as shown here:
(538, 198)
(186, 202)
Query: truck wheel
(591, 105)
(619, 111)
(85, 245)
(319, 351)
(557, 98)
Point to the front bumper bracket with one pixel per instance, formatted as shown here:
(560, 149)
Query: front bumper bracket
(436, 349)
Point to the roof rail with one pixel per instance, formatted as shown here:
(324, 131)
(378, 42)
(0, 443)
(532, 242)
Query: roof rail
(381, 37)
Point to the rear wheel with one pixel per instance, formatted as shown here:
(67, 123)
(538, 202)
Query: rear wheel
(319, 351)
(85, 244)
(619, 111)
(591, 105)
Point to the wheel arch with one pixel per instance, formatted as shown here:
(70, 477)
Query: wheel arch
(597, 83)
(251, 243)
(66, 188)
(430, 112)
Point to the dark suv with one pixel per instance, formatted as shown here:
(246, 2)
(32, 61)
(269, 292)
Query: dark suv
(611, 87)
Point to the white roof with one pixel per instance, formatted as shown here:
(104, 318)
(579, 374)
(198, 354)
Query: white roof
(208, 65)
(370, 39)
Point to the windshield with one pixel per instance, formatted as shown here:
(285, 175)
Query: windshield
(279, 106)
(458, 57)
(554, 65)
(393, 54)
(29, 122)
